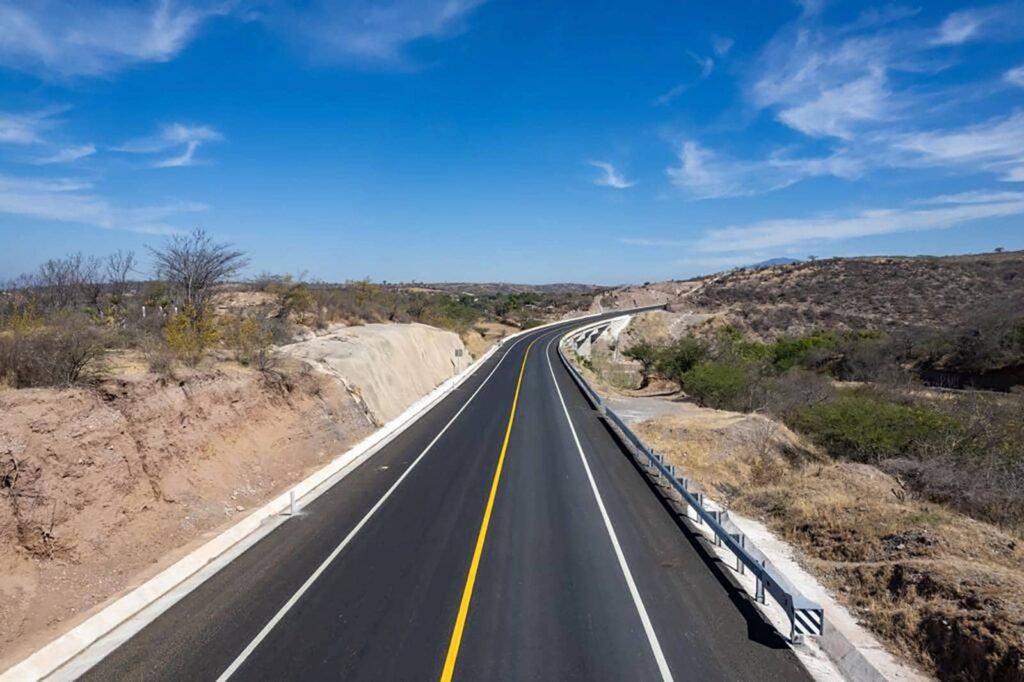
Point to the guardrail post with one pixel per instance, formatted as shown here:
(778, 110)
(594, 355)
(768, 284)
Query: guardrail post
(717, 516)
(700, 504)
(759, 586)
(741, 540)
(685, 484)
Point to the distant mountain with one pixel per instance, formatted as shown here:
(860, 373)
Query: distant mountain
(773, 262)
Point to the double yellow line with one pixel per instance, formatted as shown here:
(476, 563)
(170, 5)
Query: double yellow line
(467, 593)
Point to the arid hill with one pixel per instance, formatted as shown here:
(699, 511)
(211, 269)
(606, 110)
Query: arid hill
(884, 293)
(497, 288)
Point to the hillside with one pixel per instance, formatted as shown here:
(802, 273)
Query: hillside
(912, 506)
(498, 288)
(884, 293)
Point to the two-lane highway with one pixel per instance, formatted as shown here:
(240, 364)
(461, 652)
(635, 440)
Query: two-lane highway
(503, 536)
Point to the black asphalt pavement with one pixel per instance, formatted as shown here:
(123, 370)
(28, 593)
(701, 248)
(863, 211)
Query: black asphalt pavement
(550, 599)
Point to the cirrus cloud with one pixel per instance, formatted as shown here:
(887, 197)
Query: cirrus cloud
(610, 177)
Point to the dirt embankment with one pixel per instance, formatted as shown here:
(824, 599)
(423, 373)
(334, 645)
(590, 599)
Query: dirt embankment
(102, 487)
(98, 485)
(385, 367)
(940, 588)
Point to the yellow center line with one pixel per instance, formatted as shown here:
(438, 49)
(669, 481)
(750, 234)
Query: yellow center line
(467, 593)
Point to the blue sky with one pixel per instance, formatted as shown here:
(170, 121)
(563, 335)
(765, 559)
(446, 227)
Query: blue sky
(517, 141)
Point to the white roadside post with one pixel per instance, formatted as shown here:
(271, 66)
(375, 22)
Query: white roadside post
(455, 366)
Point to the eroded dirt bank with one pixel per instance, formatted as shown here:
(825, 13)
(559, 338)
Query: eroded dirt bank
(102, 487)
(99, 486)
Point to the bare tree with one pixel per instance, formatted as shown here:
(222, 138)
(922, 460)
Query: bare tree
(194, 264)
(118, 266)
(70, 280)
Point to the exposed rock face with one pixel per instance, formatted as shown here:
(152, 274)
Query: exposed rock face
(385, 367)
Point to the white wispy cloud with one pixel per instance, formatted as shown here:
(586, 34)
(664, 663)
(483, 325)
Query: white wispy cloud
(831, 81)
(61, 39)
(1000, 22)
(71, 200)
(849, 86)
(705, 174)
(185, 139)
(996, 145)
(66, 155)
(940, 213)
(367, 31)
(744, 244)
(1015, 76)
(835, 111)
(959, 27)
(722, 45)
(811, 8)
(96, 38)
(610, 177)
(672, 93)
(706, 66)
(26, 128)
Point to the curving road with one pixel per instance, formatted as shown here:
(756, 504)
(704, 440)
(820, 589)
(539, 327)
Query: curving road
(503, 536)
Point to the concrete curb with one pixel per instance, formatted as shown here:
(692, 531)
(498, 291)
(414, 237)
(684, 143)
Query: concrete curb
(65, 648)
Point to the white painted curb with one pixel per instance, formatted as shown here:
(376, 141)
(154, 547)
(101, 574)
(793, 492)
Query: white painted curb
(75, 642)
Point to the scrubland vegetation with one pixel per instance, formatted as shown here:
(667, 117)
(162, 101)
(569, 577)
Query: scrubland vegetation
(875, 420)
(861, 398)
(59, 324)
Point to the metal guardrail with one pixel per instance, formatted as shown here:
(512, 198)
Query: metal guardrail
(806, 617)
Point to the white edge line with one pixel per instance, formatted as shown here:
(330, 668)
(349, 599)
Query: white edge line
(241, 658)
(652, 637)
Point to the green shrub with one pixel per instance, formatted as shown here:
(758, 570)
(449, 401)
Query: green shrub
(732, 342)
(868, 428)
(810, 352)
(676, 359)
(723, 385)
(644, 352)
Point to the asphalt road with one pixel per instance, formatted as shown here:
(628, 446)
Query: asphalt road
(504, 536)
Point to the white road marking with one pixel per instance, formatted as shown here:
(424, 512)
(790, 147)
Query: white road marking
(652, 638)
(237, 663)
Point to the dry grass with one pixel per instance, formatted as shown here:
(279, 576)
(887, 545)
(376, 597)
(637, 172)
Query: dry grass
(938, 587)
(483, 335)
(858, 293)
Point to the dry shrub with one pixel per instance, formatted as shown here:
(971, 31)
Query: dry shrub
(159, 358)
(189, 335)
(67, 352)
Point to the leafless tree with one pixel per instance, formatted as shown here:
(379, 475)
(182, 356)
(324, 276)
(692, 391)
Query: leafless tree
(194, 264)
(70, 280)
(118, 266)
